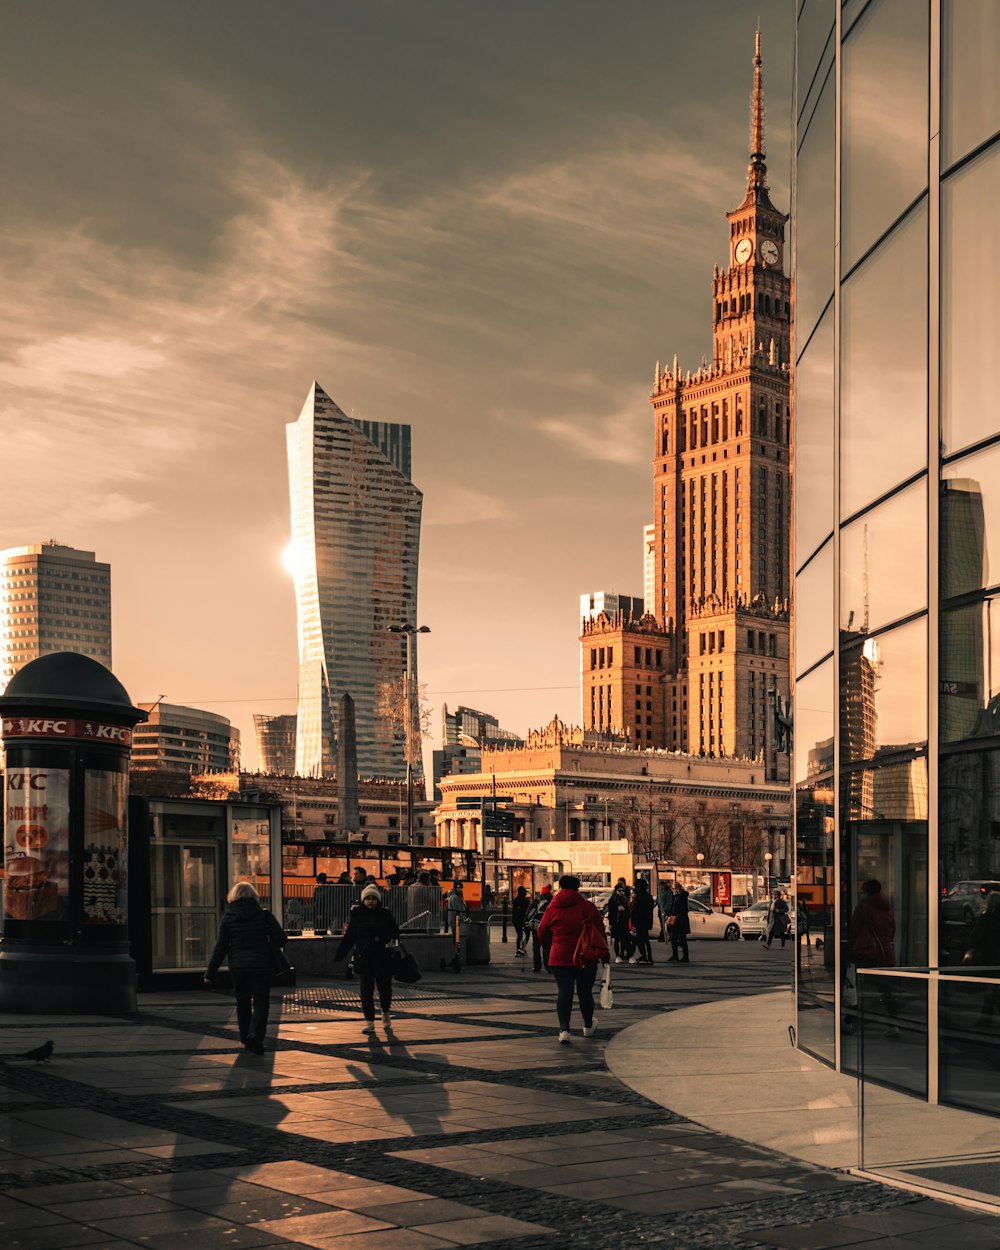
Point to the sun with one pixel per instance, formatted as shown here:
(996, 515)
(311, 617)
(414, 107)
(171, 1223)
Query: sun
(294, 560)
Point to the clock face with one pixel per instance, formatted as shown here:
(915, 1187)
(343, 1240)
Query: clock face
(769, 252)
(744, 250)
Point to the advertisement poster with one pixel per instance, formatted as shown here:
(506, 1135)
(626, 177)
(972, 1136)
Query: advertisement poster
(105, 849)
(36, 843)
(722, 889)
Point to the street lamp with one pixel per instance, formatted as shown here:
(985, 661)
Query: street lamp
(767, 871)
(410, 631)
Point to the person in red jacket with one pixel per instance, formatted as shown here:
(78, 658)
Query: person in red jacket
(870, 944)
(559, 931)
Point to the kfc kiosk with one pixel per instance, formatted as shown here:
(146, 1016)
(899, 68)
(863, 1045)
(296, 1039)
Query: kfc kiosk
(67, 736)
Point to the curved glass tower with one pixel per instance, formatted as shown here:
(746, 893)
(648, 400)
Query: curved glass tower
(354, 552)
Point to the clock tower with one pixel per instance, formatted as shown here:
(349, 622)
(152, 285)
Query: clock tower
(722, 495)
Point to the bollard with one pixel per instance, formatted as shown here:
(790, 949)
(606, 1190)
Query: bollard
(503, 913)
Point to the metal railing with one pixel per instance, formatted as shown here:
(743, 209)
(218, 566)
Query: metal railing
(320, 909)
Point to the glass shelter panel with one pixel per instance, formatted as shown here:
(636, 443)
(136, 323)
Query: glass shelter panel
(814, 863)
(814, 202)
(883, 408)
(970, 85)
(877, 586)
(814, 36)
(814, 442)
(884, 121)
(970, 524)
(970, 311)
(814, 610)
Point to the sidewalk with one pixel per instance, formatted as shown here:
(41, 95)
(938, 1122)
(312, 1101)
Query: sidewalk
(468, 1125)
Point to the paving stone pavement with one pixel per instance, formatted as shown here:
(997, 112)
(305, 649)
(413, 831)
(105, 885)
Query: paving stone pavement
(466, 1124)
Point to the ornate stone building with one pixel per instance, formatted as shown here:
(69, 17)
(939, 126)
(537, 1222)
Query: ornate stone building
(721, 530)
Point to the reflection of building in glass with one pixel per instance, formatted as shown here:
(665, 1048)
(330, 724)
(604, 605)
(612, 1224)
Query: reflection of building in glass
(464, 734)
(52, 598)
(719, 542)
(354, 549)
(185, 738)
(275, 743)
(895, 226)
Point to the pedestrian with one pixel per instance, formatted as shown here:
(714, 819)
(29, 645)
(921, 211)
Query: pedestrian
(870, 938)
(984, 949)
(323, 904)
(803, 921)
(532, 919)
(664, 901)
(618, 921)
(422, 903)
(370, 929)
(518, 911)
(248, 936)
(679, 926)
(642, 922)
(457, 910)
(776, 924)
(560, 929)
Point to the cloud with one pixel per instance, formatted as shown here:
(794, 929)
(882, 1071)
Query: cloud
(452, 504)
(619, 437)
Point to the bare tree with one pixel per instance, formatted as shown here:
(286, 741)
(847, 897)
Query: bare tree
(393, 705)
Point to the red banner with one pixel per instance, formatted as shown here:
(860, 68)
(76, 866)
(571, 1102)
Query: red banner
(65, 727)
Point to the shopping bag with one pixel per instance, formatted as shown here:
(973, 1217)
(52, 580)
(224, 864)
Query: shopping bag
(404, 966)
(607, 997)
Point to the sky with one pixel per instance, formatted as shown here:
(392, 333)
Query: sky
(485, 218)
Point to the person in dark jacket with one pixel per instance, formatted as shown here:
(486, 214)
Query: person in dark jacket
(370, 929)
(870, 944)
(518, 911)
(778, 921)
(247, 937)
(642, 921)
(617, 910)
(664, 902)
(532, 919)
(681, 926)
(559, 930)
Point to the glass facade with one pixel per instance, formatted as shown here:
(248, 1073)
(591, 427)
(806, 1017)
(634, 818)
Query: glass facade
(897, 508)
(354, 551)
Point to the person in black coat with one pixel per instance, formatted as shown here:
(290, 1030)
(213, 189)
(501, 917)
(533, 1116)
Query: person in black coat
(248, 936)
(681, 926)
(370, 929)
(642, 921)
(984, 949)
(518, 911)
(618, 915)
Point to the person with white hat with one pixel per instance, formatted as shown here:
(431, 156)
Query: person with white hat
(370, 930)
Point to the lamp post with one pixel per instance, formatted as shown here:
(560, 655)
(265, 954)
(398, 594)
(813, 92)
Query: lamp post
(700, 857)
(410, 631)
(767, 872)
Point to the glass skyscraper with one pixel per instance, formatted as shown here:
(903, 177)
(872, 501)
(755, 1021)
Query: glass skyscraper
(897, 539)
(354, 553)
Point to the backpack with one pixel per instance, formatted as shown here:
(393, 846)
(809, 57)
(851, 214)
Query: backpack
(591, 945)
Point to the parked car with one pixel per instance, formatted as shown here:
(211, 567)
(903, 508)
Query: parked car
(753, 920)
(706, 923)
(966, 900)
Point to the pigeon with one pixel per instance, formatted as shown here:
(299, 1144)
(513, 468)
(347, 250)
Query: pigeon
(40, 1054)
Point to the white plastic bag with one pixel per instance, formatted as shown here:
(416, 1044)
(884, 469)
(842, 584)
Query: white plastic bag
(607, 997)
(850, 991)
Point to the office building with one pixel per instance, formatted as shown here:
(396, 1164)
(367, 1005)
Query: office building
(719, 543)
(275, 743)
(464, 733)
(354, 550)
(52, 598)
(610, 603)
(897, 530)
(185, 739)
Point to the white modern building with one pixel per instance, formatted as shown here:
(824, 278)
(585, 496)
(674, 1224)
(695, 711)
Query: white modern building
(610, 603)
(354, 552)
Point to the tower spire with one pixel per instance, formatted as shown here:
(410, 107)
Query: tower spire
(757, 172)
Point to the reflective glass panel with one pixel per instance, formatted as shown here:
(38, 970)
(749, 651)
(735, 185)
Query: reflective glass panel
(970, 319)
(876, 586)
(970, 1014)
(892, 1020)
(813, 218)
(814, 442)
(814, 610)
(884, 121)
(814, 865)
(969, 649)
(968, 841)
(883, 705)
(970, 85)
(883, 398)
(815, 27)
